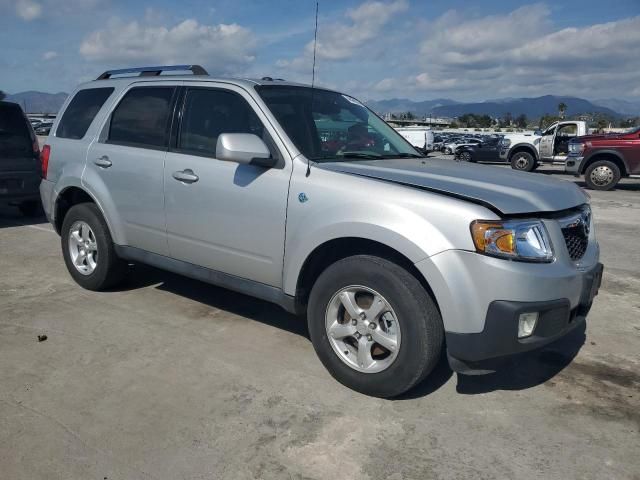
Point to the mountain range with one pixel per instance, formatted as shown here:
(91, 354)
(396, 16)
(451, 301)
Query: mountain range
(531, 107)
(41, 102)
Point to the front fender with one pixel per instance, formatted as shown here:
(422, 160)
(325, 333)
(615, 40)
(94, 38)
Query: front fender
(415, 223)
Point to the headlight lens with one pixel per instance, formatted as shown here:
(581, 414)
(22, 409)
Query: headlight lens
(524, 240)
(505, 142)
(576, 148)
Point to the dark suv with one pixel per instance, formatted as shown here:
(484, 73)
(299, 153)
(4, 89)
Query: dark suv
(604, 159)
(20, 171)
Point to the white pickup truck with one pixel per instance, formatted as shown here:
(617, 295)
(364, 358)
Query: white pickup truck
(527, 151)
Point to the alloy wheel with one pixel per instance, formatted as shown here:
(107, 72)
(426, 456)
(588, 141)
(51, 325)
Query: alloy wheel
(363, 329)
(83, 248)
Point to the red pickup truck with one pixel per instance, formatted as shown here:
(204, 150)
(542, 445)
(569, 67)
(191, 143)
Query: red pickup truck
(604, 159)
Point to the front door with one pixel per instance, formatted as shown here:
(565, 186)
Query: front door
(223, 215)
(129, 164)
(546, 143)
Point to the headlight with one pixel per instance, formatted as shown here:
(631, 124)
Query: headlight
(576, 148)
(505, 142)
(524, 240)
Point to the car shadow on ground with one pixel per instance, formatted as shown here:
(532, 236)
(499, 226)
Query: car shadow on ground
(215, 297)
(518, 373)
(12, 217)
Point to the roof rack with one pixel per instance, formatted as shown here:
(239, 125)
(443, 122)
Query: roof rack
(154, 71)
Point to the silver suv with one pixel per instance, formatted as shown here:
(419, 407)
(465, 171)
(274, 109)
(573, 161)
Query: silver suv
(303, 197)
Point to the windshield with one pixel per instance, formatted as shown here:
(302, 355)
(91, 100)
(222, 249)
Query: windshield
(329, 126)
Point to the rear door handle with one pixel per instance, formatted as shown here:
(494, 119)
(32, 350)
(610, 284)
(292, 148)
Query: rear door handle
(103, 162)
(186, 176)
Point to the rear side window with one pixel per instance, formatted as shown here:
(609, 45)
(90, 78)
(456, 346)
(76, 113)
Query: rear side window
(210, 112)
(81, 112)
(141, 119)
(15, 137)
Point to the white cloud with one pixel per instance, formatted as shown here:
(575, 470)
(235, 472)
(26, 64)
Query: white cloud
(343, 41)
(28, 9)
(224, 48)
(520, 53)
(50, 55)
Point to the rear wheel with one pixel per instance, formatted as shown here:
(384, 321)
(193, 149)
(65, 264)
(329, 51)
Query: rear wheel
(523, 161)
(374, 326)
(602, 175)
(88, 249)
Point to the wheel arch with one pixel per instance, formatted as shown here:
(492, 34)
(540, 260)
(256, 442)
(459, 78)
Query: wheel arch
(333, 250)
(70, 196)
(610, 155)
(523, 147)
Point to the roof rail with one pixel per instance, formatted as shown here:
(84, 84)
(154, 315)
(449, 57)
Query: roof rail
(154, 71)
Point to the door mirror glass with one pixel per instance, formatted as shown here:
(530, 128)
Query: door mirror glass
(244, 148)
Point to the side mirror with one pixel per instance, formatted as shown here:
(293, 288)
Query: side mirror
(244, 148)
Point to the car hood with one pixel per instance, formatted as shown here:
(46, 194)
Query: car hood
(503, 190)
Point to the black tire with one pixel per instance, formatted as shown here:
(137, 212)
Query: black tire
(602, 175)
(523, 161)
(30, 208)
(466, 157)
(110, 269)
(422, 332)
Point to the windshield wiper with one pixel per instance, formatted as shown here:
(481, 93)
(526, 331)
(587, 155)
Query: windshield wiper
(368, 156)
(403, 155)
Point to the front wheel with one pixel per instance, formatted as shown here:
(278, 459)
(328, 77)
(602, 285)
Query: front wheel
(466, 157)
(602, 175)
(374, 326)
(523, 161)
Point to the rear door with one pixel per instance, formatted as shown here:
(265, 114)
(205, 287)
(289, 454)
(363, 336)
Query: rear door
(231, 218)
(19, 165)
(128, 163)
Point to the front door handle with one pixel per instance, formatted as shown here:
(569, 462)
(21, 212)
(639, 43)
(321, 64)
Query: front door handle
(103, 162)
(186, 176)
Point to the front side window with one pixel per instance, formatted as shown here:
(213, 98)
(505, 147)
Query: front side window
(329, 126)
(81, 111)
(142, 117)
(209, 113)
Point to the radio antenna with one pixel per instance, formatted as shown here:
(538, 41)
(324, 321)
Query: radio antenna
(313, 76)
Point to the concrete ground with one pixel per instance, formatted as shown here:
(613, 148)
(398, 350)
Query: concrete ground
(170, 378)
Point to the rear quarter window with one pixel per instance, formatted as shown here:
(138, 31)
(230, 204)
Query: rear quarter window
(81, 111)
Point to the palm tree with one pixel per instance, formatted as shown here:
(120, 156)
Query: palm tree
(562, 107)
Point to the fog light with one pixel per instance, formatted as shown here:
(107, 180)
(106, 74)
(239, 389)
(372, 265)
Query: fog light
(526, 324)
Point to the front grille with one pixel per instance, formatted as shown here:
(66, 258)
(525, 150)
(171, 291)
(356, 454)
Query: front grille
(576, 240)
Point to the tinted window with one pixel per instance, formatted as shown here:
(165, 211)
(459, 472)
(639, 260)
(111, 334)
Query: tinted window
(327, 125)
(15, 138)
(81, 112)
(142, 117)
(208, 113)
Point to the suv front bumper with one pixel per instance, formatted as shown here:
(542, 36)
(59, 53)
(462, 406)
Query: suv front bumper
(573, 164)
(481, 298)
(469, 352)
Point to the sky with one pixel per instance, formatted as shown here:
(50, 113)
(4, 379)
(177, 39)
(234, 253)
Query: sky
(417, 49)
